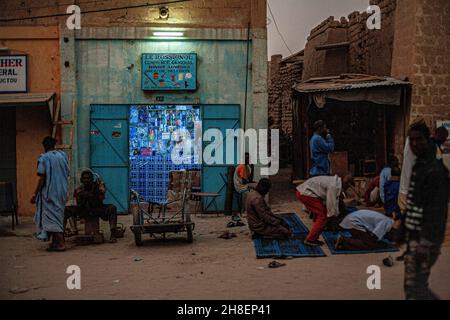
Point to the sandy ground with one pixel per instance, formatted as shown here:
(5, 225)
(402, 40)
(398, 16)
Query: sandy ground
(210, 268)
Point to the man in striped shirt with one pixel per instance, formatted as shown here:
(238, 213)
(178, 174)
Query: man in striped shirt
(426, 213)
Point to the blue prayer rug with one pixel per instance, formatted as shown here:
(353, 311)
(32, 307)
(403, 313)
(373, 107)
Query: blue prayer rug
(266, 248)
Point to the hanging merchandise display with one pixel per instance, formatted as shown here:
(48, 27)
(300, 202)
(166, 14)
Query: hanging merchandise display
(153, 136)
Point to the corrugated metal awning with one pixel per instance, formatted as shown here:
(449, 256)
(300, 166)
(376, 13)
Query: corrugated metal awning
(28, 100)
(347, 82)
(25, 99)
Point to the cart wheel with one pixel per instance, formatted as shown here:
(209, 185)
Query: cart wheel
(138, 239)
(190, 236)
(137, 222)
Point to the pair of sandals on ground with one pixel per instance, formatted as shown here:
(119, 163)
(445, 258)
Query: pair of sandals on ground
(236, 221)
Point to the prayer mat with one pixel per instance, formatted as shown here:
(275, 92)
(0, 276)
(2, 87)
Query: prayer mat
(268, 248)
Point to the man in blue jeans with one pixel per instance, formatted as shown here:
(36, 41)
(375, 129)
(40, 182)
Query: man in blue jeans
(321, 145)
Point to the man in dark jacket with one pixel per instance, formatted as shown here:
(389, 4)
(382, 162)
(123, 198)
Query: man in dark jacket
(426, 214)
(89, 197)
(261, 221)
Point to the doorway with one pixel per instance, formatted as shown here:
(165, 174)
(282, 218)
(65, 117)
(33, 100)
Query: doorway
(8, 146)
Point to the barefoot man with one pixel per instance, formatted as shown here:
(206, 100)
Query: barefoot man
(51, 195)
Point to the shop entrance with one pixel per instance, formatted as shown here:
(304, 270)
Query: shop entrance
(131, 147)
(359, 131)
(8, 146)
(154, 132)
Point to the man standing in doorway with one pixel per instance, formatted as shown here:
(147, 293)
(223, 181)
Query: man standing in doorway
(51, 194)
(426, 213)
(321, 145)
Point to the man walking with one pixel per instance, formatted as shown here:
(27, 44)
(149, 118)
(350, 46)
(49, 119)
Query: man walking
(51, 195)
(426, 213)
(409, 158)
(321, 145)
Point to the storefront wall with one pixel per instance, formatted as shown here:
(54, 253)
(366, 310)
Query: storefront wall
(108, 72)
(33, 123)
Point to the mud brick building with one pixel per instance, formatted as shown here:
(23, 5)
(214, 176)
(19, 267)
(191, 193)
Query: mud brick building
(412, 45)
(284, 73)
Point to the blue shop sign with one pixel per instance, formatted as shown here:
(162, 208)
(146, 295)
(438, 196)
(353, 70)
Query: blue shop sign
(169, 71)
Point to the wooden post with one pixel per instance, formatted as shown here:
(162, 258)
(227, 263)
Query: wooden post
(230, 191)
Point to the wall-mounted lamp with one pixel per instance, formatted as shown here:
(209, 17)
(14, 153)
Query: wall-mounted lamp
(174, 34)
(164, 12)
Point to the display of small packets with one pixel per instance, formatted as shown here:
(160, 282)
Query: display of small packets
(142, 136)
(143, 115)
(134, 115)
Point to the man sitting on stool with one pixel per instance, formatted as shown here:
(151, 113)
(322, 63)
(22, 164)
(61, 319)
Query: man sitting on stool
(89, 197)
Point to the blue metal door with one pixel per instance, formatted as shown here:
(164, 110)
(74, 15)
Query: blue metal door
(214, 177)
(109, 152)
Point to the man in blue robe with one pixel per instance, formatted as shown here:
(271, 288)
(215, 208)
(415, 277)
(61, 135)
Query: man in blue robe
(321, 145)
(51, 195)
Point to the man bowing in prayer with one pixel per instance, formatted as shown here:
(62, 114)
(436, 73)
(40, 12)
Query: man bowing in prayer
(51, 195)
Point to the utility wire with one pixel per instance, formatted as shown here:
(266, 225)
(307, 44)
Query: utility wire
(278, 29)
(98, 10)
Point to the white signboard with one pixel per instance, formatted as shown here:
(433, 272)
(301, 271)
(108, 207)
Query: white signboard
(13, 73)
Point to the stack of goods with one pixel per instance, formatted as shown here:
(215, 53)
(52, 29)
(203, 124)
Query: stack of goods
(177, 181)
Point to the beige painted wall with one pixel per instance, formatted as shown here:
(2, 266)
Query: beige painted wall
(33, 123)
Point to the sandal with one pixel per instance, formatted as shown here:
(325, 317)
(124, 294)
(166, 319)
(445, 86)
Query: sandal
(231, 224)
(227, 235)
(276, 264)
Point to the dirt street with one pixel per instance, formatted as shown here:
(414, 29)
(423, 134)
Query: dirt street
(210, 268)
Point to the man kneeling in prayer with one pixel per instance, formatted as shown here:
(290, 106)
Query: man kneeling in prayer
(368, 229)
(261, 221)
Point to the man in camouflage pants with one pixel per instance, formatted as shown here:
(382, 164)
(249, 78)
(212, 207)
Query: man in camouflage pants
(426, 214)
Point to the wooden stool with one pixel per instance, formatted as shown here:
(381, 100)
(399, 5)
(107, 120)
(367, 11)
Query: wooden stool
(91, 225)
(92, 234)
